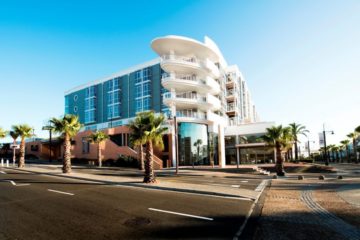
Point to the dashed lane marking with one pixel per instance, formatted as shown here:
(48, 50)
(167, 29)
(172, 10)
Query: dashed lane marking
(181, 214)
(235, 186)
(66, 193)
(2, 172)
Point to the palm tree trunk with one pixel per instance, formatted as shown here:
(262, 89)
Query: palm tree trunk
(347, 154)
(149, 169)
(279, 166)
(99, 155)
(22, 154)
(296, 151)
(141, 157)
(67, 155)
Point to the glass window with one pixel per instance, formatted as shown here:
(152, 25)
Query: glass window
(139, 105)
(193, 144)
(85, 145)
(146, 74)
(138, 78)
(138, 91)
(146, 103)
(146, 89)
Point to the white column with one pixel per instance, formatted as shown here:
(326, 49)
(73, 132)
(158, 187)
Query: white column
(173, 145)
(221, 143)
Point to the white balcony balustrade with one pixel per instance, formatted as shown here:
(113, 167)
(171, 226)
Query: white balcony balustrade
(190, 82)
(173, 63)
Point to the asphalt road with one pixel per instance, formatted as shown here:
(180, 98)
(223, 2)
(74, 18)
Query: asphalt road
(34, 206)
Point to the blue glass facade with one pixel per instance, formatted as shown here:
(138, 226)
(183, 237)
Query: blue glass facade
(193, 144)
(118, 98)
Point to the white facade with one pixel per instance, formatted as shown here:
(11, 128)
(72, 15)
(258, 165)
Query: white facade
(202, 87)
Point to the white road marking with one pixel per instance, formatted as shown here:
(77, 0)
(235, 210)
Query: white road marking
(21, 185)
(12, 182)
(181, 214)
(244, 181)
(2, 172)
(235, 186)
(51, 190)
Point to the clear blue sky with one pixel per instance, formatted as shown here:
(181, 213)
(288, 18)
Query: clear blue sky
(301, 59)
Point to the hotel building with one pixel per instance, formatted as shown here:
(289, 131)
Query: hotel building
(190, 80)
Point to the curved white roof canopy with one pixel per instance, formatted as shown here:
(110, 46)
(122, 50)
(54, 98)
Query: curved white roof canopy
(184, 46)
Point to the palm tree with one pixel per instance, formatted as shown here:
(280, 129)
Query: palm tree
(296, 130)
(14, 136)
(2, 133)
(137, 136)
(353, 136)
(335, 151)
(279, 138)
(345, 143)
(153, 133)
(69, 126)
(197, 144)
(98, 138)
(23, 131)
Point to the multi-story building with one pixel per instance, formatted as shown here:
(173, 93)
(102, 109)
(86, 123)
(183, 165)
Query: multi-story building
(190, 81)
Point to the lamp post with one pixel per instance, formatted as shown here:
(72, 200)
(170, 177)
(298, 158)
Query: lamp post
(308, 145)
(49, 128)
(326, 154)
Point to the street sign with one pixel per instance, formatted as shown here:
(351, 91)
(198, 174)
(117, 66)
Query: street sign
(14, 146)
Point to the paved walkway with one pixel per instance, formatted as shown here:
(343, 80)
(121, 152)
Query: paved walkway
(309, 209)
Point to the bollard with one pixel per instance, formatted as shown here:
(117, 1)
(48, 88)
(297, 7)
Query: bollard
(7, 162)
(275, 177)
(340, 177)
(2, 162)
(300, 177)
(321, 177)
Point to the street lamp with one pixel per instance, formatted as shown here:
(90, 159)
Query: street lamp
(324, 134)
(308, 143)
(50, 128)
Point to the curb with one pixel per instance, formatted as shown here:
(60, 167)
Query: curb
(263, 185)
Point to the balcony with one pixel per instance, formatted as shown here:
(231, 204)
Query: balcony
(188, 100)
(191, 114)
(190, 82)
(175, 63)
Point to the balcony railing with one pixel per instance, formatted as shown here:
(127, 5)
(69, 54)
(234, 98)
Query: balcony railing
(206, 63)
(191, 114)
(231, 107)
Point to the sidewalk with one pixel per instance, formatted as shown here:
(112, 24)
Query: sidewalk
(310, 209)
(134, 178)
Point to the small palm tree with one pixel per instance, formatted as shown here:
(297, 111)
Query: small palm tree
(346, 143)
(68, 126)
(137, 136)
(353, 136)
(2, 133)
(279, 138)
(197, 144)
(14, 136)
(296, 130)
(98, 138)
(23, 131)
(153, 132)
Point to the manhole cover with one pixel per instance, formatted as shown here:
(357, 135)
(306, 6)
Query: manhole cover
(137, 222)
